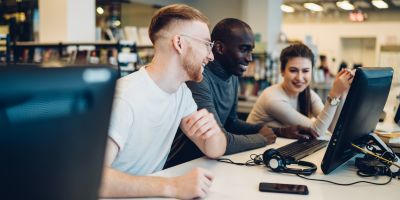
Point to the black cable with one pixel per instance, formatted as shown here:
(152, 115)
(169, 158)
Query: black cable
(361, 174)
(347, 184)
(255, 160)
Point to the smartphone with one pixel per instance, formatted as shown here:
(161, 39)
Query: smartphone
(283, 188)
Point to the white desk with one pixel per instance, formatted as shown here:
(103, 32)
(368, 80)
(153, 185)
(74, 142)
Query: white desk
(241, 182)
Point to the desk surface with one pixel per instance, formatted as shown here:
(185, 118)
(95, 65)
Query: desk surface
(240, 182)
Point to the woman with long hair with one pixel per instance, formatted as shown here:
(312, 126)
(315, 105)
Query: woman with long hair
(292, 102)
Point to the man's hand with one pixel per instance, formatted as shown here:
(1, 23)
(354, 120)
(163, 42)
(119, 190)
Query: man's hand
(297, 132)
(268, 134)
(200, 124)
(195, 184)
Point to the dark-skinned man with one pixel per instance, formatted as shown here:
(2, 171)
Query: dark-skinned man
(218, 93)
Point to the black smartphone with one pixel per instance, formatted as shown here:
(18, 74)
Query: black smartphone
(283, 188)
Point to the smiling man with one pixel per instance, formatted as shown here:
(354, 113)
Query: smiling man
(218, 93)
(150, 105)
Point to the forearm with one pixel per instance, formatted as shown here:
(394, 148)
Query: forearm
(239, 143)
(241, 127)
(324, 119)
(118, 184)
(215, 146)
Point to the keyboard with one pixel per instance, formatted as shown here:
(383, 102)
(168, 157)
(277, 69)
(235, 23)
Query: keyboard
(300, 149)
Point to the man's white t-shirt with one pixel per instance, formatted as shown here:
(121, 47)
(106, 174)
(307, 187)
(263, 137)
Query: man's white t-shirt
(144, 122)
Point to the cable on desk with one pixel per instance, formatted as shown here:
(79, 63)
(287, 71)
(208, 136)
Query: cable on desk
(255, 160)
(347, 184)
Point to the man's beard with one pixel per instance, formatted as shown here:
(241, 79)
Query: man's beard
(193, 70)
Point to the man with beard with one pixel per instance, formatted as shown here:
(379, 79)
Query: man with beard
(151, 104)
(218, 93)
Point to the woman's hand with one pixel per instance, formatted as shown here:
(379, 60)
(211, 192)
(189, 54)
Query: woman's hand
(342, 83)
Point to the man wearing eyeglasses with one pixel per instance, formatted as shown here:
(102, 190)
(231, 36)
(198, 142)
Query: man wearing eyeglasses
(151, 104)
(218, 93)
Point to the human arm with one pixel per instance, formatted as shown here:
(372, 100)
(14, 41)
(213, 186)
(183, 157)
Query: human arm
(203, 96)
(237, 126)
(202, 128)
(283, 112)
(118, 184)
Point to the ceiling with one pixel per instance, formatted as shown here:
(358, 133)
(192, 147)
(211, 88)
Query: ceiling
(330, 5)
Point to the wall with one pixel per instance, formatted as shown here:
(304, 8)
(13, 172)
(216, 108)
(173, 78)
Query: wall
(139, 13)
(66, 20)
(218, 10)
(328, 36)
(136, 14)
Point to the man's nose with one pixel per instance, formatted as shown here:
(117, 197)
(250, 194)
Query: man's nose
(249, 57)
(210, 56)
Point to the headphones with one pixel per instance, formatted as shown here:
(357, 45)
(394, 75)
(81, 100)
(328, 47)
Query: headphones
(277, 163)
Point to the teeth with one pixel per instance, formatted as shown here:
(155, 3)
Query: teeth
(244, 67)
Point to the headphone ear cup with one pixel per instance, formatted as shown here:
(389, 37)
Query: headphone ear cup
(268, 154)
(273, 160)
(277, 163)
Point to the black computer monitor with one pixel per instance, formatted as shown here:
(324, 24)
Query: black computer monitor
(53, 131)
(359, 116)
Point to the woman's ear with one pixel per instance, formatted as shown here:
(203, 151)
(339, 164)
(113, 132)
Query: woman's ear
(177, 43)
(219, 47)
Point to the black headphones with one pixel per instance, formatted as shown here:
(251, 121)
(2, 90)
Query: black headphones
(277, 163)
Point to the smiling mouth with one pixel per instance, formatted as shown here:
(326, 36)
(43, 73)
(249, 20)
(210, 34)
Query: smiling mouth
(298, 84)
(243, 67)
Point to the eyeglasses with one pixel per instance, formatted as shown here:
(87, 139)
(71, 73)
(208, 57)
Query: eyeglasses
(208, 44)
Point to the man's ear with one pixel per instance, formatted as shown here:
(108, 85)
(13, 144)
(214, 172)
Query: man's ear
(177, 43)
(219, 47)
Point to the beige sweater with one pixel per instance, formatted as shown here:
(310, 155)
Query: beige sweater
(276, 109)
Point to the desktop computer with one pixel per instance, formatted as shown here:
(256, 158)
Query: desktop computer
(53, 131)
(359, 116)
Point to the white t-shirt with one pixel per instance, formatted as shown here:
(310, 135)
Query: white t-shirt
(276, 109)
(144, 122)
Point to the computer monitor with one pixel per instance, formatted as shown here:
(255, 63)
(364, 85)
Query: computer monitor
(53, 131)
(359, 116)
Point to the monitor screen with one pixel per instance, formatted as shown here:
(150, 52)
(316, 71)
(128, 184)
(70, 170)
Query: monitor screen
(359, 116)
(53, 131)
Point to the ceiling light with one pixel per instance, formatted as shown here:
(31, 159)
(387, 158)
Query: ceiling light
(100, 10)
(345, 5)
(287, 9)
(380, 4)
(313, 7)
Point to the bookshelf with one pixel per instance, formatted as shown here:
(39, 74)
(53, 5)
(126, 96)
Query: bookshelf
(261, 73)
(5, 48)
(123, 55)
